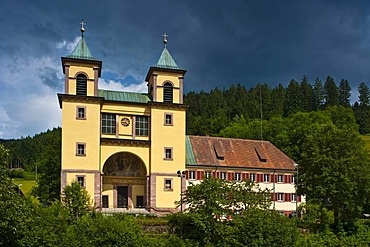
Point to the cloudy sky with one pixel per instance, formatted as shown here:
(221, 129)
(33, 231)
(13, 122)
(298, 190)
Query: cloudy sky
(218, 42)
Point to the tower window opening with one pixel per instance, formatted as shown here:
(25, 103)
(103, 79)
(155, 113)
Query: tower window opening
(81, 85)
(168, 92)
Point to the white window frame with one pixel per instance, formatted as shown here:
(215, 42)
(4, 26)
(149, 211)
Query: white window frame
(280, 197)
(109, 124)
(78, 116)
(280, 178)
(192, 175)
(80, 149)
(141, 126)
(252, 177)
(168, 184)
(293, 179)
(223, 175)
(294, 197)
(266, 178)
(237, 176)
(208, 174)
(168, 119)
(168, 153)
(81, 180)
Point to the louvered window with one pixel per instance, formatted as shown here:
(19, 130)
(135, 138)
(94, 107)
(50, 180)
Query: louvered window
(167, 92)
(81, 85)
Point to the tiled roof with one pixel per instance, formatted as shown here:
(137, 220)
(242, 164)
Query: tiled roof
(81, 51)
(166, 61)
(238, 153)
(124, 96)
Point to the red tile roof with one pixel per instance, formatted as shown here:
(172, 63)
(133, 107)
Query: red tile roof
(239, 153)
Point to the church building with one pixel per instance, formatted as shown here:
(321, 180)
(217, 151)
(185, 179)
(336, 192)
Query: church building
(130, 150)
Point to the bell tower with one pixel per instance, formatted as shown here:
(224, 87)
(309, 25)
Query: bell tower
(167, 129)
(81, 70)
(166, 79)
(80, 104)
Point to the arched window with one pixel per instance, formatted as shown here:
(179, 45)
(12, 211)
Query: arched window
(167, 92)
(81, 85)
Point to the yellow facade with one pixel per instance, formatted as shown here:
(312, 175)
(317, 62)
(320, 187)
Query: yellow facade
(126, 149)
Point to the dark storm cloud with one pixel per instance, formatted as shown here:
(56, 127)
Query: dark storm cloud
(218, 42)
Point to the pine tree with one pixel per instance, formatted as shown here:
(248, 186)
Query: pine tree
(293, 98)
(364, 94)
(331, 92)
(344, 93)
(278, 99)
(318, 95)
(307, 95)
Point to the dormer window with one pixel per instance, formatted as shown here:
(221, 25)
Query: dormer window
(261, 154)
(167, 92)
(218, 151)
(81, 85)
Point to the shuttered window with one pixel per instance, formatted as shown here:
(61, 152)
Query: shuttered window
(81, 85)
(245, 176)
(167, 92)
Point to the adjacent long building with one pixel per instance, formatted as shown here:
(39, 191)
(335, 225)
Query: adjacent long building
(126, 148)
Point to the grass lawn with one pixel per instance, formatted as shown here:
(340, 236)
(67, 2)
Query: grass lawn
(366, 138)
(26, 185)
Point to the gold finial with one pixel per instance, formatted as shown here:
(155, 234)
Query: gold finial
(165, 39)
(82, 28)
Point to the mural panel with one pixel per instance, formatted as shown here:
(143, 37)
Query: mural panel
(124, 165)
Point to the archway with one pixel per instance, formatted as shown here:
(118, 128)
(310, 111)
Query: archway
(124, 181)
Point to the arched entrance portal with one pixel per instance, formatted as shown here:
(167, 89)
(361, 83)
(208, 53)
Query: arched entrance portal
(124, 180)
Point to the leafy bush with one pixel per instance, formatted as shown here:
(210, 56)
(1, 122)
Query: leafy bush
(12, 173)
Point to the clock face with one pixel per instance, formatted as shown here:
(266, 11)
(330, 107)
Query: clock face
(125, 121)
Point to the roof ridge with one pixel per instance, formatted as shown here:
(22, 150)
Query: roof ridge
(117, 91)
(230, 138)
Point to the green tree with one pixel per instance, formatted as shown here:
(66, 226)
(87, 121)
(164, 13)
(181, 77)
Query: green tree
(49, 165)
(293, 98)
(362, 114)
(15, 211)
(48, 226)
(263, 228)
(331, 92)
(212, 205)
(76, 200)
(318, 95)
(307, 95)
(334, 172)
(101, 230)
(217, 197)
(315, 217)
(364, 94)
(362, 108)
(344, 93)
(278, 99)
